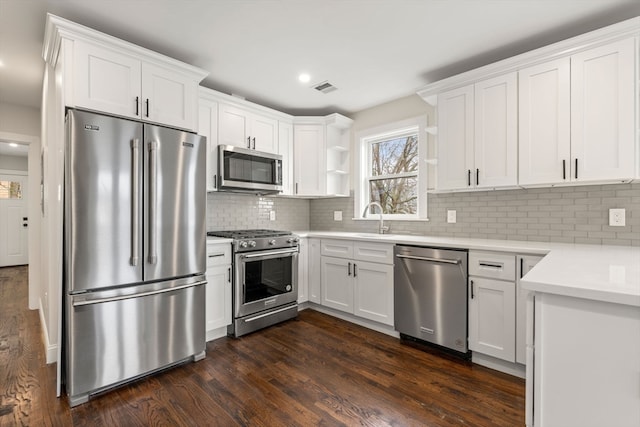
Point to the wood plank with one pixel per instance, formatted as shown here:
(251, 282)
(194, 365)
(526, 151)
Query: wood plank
(314, 370)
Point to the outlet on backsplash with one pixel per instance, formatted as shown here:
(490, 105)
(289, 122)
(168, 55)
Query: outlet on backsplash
(337, 215)
(272, 215)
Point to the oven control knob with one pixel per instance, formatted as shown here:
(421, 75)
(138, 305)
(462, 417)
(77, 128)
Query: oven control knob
(252, 244)
(293, 240)
(243, 244)
(272, 242)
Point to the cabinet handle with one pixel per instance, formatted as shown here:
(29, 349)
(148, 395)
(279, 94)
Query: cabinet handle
(349, 270)
(215, 181)
(296, 188)
(254, 142)
(147, 104)
(216, 255)
(355, 270)
(229, 273)
(472, 295)
(576, 168)
(248, 142)
(477, 176)
(137, 105)
(469, 177)
(564, 169)
(521, 267)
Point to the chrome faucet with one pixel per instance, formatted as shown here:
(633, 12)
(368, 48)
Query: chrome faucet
(381, 227)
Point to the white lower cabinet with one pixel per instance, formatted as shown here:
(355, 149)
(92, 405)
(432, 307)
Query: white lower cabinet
(218, 292)
(492, 304)
(360, 284)
(303, 275)
(313, 270)
(524, 264)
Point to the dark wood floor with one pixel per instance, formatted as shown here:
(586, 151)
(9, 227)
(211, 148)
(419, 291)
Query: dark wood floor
(313, 371)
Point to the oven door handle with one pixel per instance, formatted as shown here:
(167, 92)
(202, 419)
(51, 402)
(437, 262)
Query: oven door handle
(270, 253)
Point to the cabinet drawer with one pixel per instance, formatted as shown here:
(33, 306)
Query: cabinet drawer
(381, 253)
(218, 254)
(337, 248)
(492, 265)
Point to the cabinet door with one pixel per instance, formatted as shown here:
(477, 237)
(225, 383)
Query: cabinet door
(337, 283)
(285, 149)
(525, 264)
(168, 97)
(208, 127)
(303, 263)
(314, 271)
(264, 134)
(544, 123)
(218, 299)
(233, 126)
(496, 132)
(373, 291)
(309, 153)
(492, 318)
(602, 112)
(455, 139)
(106, 81)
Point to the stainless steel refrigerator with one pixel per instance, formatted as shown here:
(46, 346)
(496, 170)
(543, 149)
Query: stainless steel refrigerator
(134, 251)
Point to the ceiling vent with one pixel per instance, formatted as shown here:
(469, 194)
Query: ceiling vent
(325, 87)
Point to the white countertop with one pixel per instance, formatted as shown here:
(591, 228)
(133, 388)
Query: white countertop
(602, 273)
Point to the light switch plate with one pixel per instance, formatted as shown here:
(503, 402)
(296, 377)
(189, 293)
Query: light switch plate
(451, 216)
(272, 215)
(337, 215)
(617, 217)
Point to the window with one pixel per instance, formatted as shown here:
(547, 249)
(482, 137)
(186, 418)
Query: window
(10, 190)
(392, 170)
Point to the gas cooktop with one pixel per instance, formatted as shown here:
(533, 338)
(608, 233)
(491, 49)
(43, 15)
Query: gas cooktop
(248, 234)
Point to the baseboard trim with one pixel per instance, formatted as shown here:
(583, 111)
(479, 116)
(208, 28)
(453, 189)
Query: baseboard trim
(378, 327)
(214, 334)
(51, 350)
(515, 369)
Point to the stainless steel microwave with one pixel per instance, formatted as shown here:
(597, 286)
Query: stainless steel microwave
(242, 169)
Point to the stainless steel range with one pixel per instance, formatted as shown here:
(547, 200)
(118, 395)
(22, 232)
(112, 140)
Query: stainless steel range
(265, 278)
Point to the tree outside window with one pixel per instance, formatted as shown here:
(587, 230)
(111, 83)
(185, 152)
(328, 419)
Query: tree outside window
(393, 173)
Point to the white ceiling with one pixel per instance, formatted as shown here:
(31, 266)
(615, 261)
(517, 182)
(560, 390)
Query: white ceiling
(373, 51)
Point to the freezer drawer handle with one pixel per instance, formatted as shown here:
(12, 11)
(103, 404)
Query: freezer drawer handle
(135, 204)
(251, 319)
(420, 258)
(153, 195)
(142, 294)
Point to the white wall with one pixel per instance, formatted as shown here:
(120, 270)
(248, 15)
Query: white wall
(15, 163)
(19, 119)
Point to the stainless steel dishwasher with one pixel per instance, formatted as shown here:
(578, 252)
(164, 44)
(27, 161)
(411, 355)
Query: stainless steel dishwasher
(430, 295)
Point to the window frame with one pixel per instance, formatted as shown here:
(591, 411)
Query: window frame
(364, 139)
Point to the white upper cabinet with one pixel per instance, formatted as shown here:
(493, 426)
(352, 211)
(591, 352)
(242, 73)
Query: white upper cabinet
(285, 149)
(602, 112)
(455, 138)
(117, 81)
(544, 123)
(208, 127)
(559, 115)
(496, 132)
(309, 160)
(477, 135)
(577, 117)
(247, 129)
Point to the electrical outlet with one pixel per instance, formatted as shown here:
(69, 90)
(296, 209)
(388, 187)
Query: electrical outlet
(272, 215)
(617, 217)
(337, 215)
(451, 217)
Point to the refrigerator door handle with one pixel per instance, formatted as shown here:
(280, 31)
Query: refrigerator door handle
(138, 295)
(135, 200)
(153, 194)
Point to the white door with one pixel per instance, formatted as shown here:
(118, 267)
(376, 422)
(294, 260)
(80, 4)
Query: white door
(337, 283)
(310, 155)
(544, 123)
(496, 131)
(602, 112)
(264, 134)
(13, 220)
(233, 126)
(373, 293)
(455, 139)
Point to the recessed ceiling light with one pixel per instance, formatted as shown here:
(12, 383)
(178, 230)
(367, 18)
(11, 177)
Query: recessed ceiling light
(13, 144)
(304, 78)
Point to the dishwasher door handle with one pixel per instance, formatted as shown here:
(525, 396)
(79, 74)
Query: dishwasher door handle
(438, 260)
